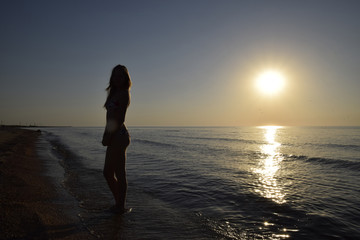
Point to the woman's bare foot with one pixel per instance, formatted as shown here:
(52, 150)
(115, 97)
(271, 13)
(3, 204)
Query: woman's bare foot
(120, 210)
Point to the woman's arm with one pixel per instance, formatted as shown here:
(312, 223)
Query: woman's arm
(115, 118)
(109, 128)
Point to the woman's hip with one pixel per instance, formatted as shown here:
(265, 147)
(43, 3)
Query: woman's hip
(121, 139)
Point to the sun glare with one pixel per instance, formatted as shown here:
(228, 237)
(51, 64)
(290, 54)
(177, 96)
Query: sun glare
(270, 82)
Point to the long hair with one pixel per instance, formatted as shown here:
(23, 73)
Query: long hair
(118, 74)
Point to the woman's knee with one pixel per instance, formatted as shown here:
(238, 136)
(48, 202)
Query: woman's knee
(123, 184)
(108, 174)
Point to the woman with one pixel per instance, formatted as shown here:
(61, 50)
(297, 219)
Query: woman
(116, 136)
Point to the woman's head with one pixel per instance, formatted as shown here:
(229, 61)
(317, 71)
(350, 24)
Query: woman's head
(120, 78)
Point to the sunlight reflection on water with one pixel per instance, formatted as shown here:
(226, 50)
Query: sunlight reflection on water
(268, 166)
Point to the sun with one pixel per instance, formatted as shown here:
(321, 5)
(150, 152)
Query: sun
(270, 82)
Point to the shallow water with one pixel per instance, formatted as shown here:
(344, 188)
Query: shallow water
(219, 183)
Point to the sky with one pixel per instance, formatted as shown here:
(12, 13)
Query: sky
(192, 63)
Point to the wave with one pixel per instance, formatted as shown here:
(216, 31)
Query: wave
(227, 140)
(154, 143)
(344, 146)
(352, 147)
(76, 172)
(340, 163)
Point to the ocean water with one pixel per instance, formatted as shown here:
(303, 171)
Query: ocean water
(216, 183)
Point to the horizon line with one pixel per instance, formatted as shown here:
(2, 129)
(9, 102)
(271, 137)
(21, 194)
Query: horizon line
(175, 126)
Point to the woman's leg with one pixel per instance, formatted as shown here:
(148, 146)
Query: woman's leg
(115, 171)
(120, 173)
(109, 173)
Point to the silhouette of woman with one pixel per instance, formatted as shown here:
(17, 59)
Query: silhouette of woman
(116, 136)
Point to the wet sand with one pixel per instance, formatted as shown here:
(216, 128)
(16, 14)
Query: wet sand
(29, 202)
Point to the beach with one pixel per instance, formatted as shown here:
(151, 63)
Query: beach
(28, 200)
(183, 183)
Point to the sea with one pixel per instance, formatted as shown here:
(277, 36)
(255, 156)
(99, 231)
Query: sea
(268, 182)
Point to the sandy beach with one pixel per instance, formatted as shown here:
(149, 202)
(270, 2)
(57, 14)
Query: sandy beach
(28, 205)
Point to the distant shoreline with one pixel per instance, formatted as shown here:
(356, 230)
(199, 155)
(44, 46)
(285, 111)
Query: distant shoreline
(29, 126)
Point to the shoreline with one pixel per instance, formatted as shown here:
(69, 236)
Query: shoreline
(29, 200)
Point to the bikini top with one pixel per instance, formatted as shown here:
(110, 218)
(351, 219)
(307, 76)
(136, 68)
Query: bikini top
(114, 102)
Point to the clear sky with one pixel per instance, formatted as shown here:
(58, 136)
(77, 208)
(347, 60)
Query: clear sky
(192, 63)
